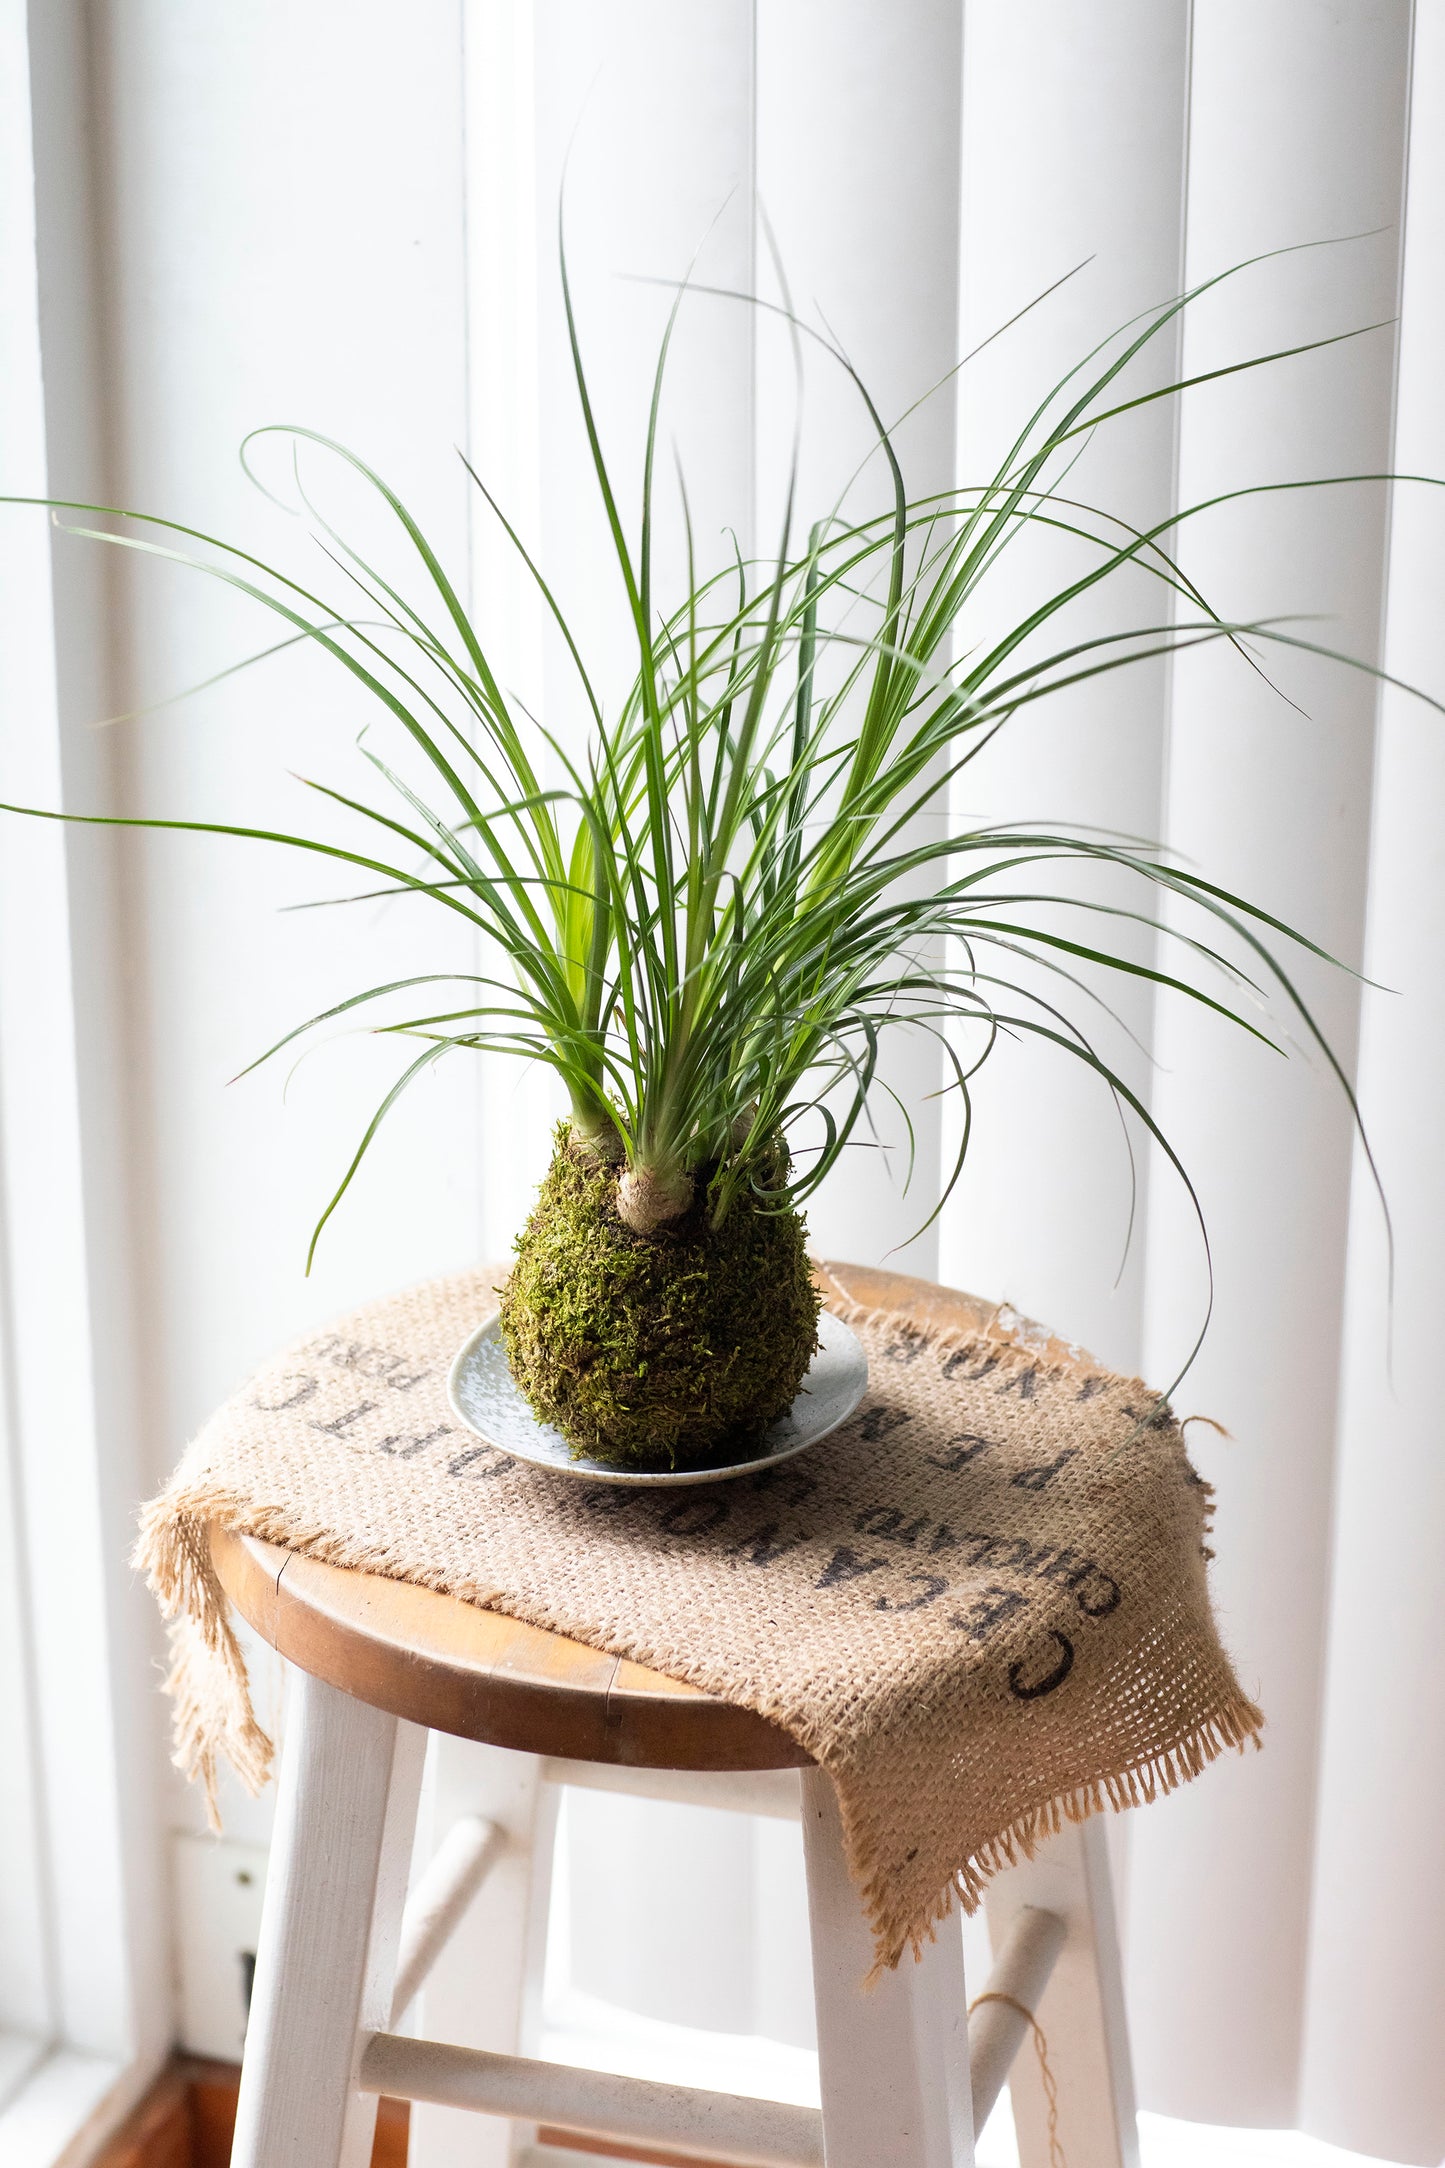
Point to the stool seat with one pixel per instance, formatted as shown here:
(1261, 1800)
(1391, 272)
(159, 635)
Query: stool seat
(445, 1664)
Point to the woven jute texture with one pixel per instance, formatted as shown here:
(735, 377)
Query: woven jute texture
(980, 1605)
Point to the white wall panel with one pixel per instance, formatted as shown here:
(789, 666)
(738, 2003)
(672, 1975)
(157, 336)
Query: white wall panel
(1374, 2077)
(1296, 135)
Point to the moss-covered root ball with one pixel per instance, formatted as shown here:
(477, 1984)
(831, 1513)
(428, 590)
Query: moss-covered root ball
(669, 1350)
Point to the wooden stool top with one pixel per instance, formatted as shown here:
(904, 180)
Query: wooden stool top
(438, 1661)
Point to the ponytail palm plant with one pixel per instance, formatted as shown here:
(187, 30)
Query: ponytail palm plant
(708, 914)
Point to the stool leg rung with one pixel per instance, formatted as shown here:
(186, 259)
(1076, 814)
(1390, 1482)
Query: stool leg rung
(996, 2029)
(770, 1792)
(754, 2133)
(1082, 2010)
(440, 1898)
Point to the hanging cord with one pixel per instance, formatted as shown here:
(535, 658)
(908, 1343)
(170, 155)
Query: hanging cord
(1046, 2075)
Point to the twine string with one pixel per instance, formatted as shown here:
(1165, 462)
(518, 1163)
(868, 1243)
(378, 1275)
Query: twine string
(1046, 2075)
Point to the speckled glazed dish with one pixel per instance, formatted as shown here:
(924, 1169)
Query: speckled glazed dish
(486, 1397)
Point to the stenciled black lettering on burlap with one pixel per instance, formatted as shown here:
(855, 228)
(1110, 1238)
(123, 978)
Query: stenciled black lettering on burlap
(789, 1481)
(874, 1424)
(375, 1364)
(965, 1446)
(993, 1607)
(294, 1399)
(1063, 1566)
(1023, 1382)
(1024, 1687)
(339, 1423)
(477, 1463)
(954, 1367)
(932, 1585)
(1089, 1387)
(1018, 1555)
(846, 1565)
(408, 1448)
(693, 1516)
(889, 1523)
(1106, 1590)
(1160, 1416)
(608, 1499)
(908, 1346)
(1094, 1590)
(1039, 1478)
(766, 1545)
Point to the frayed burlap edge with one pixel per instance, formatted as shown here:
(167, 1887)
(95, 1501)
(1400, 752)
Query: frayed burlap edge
(1014, 1339)
(214, 1714)
(210, 1694)
(1235, 1726)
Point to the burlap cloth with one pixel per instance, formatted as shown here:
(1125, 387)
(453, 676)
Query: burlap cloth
(980, 1605)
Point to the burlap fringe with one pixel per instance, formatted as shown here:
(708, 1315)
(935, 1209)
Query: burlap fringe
(207, 1683)
(1235, 1727)
(995, 1339)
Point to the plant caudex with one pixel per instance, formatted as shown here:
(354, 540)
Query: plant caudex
(707, 915)
(672, 1346)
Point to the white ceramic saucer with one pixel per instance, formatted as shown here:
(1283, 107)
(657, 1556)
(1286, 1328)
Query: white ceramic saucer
(486, 1397)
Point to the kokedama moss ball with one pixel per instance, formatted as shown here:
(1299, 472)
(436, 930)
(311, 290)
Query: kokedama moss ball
(655, 1351)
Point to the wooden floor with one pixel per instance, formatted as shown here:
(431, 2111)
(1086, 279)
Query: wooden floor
(186, 2120)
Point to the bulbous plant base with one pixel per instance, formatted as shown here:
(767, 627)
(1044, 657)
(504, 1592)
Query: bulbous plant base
(667, 1350)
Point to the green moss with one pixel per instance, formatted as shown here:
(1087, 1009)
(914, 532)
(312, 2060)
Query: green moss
(654, 1351)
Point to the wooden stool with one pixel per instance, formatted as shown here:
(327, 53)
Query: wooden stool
(906, 2076)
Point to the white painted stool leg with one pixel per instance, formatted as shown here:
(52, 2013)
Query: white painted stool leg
(388, 1904)
(892, 2059)
(477, 1992)
(1082, 2009)
(312, 1960)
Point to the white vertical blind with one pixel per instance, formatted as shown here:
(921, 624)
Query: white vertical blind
(1373, 2073)
(649, 110)
(1296, 134)
(1041, 1214)
(503, 444)
(842, 125)
(857, 173)
(283, 222)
